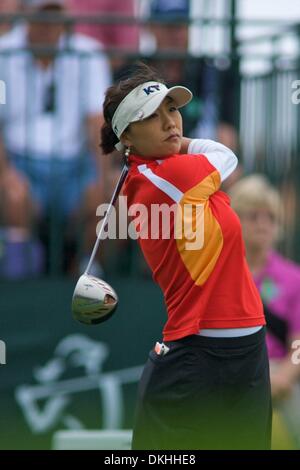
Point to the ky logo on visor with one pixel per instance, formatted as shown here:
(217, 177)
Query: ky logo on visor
(151, 89)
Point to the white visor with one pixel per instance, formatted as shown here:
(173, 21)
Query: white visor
(143, 101)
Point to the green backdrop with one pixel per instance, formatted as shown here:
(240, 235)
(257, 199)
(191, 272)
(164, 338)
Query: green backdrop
(60, 374)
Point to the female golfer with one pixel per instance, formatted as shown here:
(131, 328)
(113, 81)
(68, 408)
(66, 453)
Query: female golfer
(207, 385)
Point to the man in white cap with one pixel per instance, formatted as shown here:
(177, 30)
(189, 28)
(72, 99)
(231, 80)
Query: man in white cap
(49, 128)
(45, 34)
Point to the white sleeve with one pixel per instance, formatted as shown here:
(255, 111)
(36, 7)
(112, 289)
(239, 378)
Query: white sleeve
(221, 157)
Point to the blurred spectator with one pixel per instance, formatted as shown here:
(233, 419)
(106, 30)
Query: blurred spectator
(8, 6)
(211, 114)
(50, 163)
(259, 207)
(111, 36)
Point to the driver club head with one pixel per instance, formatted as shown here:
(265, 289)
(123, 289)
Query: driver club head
(94, 301)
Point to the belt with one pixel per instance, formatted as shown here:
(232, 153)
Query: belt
(229, 332)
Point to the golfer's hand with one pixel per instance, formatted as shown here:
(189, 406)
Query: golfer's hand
(185, 142)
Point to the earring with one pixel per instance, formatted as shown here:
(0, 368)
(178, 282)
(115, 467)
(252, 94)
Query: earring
(127, 152)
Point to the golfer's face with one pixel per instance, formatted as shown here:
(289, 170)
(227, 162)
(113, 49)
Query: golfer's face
(159, 135)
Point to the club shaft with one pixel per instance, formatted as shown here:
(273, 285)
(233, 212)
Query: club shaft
(111, 204)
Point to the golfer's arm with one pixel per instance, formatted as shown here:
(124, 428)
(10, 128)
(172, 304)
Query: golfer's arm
(185, 142)
(221, 157)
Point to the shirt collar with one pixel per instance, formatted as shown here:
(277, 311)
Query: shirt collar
(135, 160)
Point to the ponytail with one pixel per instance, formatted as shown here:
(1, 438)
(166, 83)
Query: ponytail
(108, 139)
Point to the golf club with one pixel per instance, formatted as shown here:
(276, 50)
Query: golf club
(94, 301)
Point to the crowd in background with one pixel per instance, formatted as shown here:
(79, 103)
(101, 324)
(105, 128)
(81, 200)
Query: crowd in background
(53, 176)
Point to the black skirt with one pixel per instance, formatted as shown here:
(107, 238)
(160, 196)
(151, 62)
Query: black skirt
(206, 393)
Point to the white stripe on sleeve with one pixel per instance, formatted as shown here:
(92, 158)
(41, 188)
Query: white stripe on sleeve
(164, 185)
(221, 157)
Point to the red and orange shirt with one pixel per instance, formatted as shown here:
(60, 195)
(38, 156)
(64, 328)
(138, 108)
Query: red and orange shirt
(208, 285)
